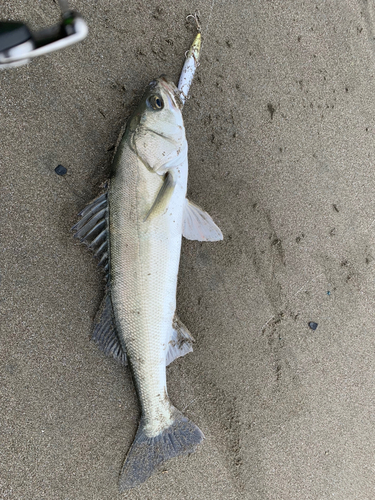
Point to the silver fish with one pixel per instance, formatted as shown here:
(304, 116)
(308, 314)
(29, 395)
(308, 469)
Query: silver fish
(135, 228)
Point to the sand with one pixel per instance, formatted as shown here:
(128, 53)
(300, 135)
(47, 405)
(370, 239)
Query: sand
(281, 129)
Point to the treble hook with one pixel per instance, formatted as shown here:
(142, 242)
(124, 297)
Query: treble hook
(196, 19)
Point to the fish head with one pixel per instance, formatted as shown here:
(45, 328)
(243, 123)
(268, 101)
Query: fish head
(156, 129)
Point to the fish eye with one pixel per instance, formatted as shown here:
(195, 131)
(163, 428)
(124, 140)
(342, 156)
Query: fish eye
(156, 102)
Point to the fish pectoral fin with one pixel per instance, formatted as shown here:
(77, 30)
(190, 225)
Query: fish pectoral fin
(105, 334)
(180, 342)
(198, 225)
(162, 200)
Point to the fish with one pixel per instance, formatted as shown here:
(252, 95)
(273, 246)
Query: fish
(135, 229)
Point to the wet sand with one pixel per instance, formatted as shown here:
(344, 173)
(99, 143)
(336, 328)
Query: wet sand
(280, 125)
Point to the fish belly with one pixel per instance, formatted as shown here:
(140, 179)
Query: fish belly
(144, 260)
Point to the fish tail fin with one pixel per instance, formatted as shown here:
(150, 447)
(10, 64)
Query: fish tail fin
(148, 453)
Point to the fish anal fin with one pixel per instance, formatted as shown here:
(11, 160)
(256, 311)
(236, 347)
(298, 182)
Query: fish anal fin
(180, 343)
(198, 225)
(104, 333)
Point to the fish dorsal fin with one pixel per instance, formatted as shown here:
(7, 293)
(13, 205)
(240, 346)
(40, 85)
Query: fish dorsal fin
(92, 229)
(104, 333)
(180, 342)
(198, 225)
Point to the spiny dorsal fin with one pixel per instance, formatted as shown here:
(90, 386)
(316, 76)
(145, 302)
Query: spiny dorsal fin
(104, 333)
(198, 225)
(180, 342)
(92, 229)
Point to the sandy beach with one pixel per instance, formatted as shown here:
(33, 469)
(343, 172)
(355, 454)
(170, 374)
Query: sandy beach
(280, 126)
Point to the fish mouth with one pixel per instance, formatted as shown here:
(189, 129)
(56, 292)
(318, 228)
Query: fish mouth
(172, 90)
